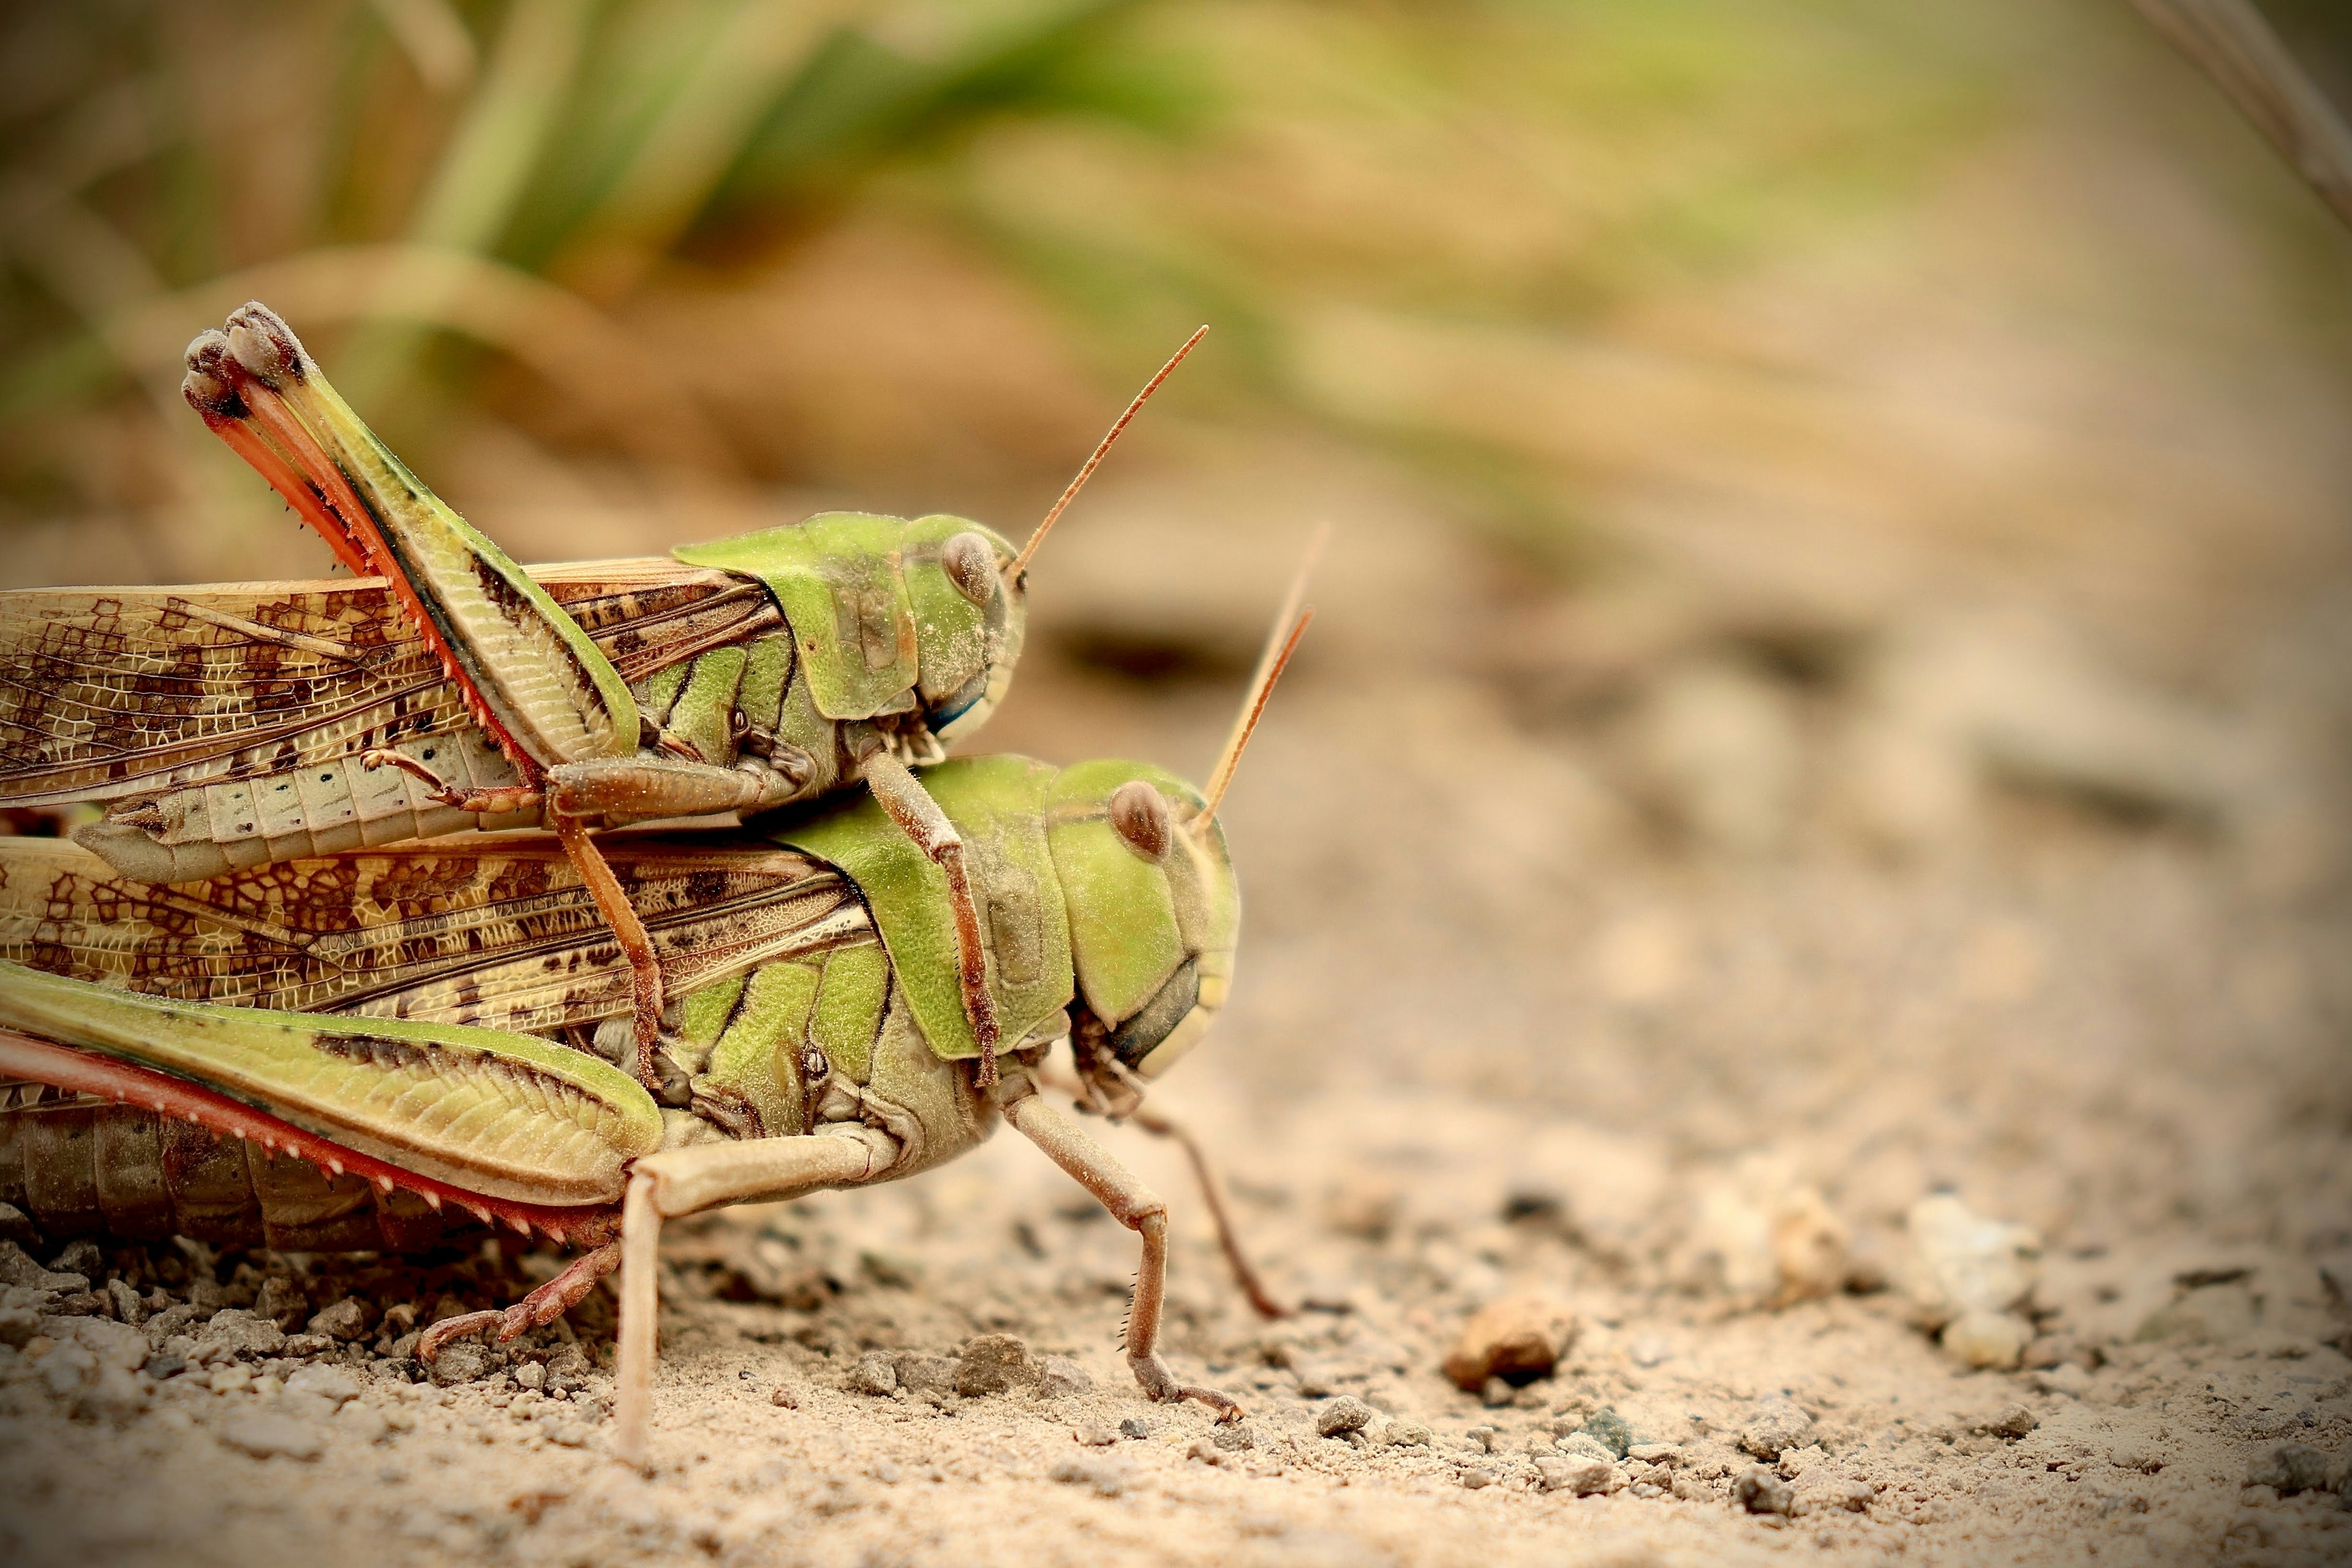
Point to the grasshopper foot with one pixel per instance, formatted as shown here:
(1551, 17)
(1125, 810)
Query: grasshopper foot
(536, 1311)
(495, 802)
(1161, 1384)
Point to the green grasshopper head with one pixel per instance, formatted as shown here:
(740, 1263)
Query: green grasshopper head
(1154, 909)
(888, 613)
(1155, 912)
(970, 615)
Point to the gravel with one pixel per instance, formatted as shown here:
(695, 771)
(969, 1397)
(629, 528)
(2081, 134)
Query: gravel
(344, 1321)
(997, 1363)
(264, 1436)
(1344, 1414)
(1579, 1475)
(237, 1333)
(873, 1375)
(1517, 1340)
(2291, 1468)
(2011, 1421)
(1759, 1490)
(1062, 1378)
(1777, 1425)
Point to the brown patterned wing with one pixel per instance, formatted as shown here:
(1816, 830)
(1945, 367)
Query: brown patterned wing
(112, 692)
(496, 931)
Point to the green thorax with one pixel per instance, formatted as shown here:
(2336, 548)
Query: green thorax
(998, 806)
(873, 617)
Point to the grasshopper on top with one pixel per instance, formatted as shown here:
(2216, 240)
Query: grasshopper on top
(240, 725)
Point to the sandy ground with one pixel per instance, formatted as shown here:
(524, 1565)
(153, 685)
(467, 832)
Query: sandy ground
(1551, 994)
(1933, 784)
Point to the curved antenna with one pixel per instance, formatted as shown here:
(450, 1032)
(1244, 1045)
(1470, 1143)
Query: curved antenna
(1289, 626)
(1021, 562)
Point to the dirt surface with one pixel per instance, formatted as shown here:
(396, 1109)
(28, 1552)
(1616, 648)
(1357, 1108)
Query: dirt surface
(1955, 810)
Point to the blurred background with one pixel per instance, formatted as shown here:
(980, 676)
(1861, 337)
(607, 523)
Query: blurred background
(1837, 645)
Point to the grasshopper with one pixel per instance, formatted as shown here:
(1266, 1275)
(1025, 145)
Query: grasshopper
(242, 724)
(430, 1027)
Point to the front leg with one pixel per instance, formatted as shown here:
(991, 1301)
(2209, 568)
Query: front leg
(1134, 1205)
(711, 1175)
(903, 798)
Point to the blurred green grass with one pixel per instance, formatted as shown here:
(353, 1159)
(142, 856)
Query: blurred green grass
(595, 193)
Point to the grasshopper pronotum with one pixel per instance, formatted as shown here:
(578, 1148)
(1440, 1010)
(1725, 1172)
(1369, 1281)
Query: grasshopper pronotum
(238, 725)
(818, 1038)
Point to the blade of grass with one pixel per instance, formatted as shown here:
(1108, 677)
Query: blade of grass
(2231, 43)
(481, 175)
(434, 39)
(718, 103)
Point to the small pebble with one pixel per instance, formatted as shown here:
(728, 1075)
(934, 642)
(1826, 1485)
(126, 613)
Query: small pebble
(1092, 1437)
(1839, 1493)
(2292, 1468)
(128, 1308)
(332, 1383)
(1610, 1430)
(282, 1302)
(1585, 1445)
(1342, 1416)
(80, 1257)
(236, 1332)
(264, 1436)
(1135, 1426)
(996, 1364)
(2011, 1421)
(462, 1361)
(343, 1320)
(18, 1268)
(532, 1376)
(1984, 1339)
(1962, 1262)
(2067, 1378)
(1579, 1475)
(1777, 1423)
(782, 1397)
(1061, 1378)
(1473, 1477)
(1517, 1339)
(874, 1374)
(1759, 1490)
(163, 1364)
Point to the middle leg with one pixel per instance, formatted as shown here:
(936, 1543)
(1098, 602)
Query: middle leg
(1134, 1205)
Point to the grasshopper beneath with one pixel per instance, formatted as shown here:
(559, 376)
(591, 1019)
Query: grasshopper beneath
(240, 725)
(420, 1026)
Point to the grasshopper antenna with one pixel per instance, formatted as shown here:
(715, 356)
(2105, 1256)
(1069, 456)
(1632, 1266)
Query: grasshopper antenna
(1020, 562)
(1289, 626)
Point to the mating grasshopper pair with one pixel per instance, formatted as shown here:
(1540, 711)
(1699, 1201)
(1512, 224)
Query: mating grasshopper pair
(816, 1000)
(242, 725)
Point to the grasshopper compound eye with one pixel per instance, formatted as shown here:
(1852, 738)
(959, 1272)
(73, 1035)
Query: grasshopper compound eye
(970, 562)
(1139, 814)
